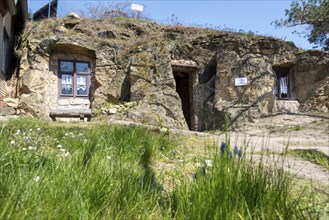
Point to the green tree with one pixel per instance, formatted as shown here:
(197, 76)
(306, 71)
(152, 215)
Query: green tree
(313, 15)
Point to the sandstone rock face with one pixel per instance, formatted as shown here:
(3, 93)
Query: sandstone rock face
(285, 106)
(233, 100)
(6, 111)
(11, 102)
(177, 77)
(152, 84)
(311, 81)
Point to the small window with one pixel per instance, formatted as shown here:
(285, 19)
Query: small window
(74, 78)
(66, 66)
(82, 68)
(281, 87)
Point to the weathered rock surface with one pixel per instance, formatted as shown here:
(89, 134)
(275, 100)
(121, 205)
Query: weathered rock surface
(5, 110)
(179, 77)
(311, 77)
(11, 102)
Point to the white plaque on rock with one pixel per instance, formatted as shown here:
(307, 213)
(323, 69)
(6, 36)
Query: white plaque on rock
(241, 81)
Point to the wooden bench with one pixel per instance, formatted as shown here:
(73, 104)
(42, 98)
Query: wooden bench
(83, 114)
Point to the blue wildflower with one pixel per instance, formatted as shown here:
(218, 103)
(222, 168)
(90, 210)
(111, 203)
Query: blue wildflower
(223, 147)
(231, 154)
(240, 153)
(236, 149)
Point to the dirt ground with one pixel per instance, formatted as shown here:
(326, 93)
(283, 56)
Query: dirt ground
(275, 134)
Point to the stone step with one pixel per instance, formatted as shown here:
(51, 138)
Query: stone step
(5, 111)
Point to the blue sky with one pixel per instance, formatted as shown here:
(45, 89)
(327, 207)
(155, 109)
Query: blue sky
(255, 16)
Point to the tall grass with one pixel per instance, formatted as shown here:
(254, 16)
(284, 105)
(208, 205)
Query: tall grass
(237, 188)
(72, 173)
(106, 172)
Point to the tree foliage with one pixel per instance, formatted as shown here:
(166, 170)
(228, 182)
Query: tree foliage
(312, 14)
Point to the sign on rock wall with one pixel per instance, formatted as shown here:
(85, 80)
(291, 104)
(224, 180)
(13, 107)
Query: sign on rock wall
(241, 81)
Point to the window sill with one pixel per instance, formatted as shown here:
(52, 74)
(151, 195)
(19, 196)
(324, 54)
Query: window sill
(74, 97)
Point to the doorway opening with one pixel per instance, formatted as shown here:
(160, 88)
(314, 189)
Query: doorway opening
(183, 90)
(184, 72)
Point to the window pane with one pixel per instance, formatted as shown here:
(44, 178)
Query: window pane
(66, 66)
(82, 90)
(67, 90)
(67, 79)
(284, 87)
(82, 67)
(81, 79)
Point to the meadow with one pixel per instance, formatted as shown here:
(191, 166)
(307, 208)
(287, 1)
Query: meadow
(60, 171)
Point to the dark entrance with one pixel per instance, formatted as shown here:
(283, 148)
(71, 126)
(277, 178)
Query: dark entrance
(282, 85)
(183, 86)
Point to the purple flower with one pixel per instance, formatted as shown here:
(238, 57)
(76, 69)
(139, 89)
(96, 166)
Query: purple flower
(231, 154)
(223, 147)
(240, 153)
(236, 149)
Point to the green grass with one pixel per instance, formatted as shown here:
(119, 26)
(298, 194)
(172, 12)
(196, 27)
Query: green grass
(74, 173)
(108, 172)
(238, 188)
(312, 155)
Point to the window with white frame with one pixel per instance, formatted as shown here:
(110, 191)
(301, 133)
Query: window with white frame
(281, 87)
(74, 78)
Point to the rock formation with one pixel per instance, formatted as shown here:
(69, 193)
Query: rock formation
(181, 77)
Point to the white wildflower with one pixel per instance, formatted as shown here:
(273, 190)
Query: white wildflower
(109, 157)
(18, 132)
(198, 164)
(66, 134)
(67, 154)
(24, 149)
(37, 179)
(62, 150)
(38, 129)
(31, 129)
(31, 148)
(12, 142)
(208, 163)
(59, 146)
